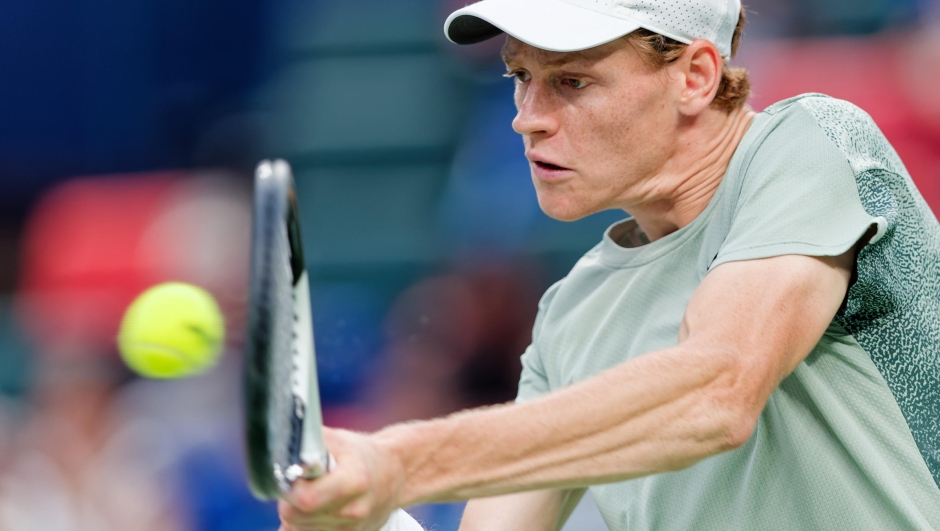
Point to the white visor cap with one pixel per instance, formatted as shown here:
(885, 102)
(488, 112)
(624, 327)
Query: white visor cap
(574, 25)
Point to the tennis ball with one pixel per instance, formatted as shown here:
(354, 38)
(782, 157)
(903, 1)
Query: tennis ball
(171, 330)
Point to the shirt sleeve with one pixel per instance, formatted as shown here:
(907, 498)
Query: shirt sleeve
(798, 195)
(533, 382)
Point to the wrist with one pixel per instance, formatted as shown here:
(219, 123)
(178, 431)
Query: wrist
(401, 445)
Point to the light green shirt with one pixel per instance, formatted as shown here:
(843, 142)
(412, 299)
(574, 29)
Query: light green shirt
(850, 440)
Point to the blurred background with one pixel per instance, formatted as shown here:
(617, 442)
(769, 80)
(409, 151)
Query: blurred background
(128, 134)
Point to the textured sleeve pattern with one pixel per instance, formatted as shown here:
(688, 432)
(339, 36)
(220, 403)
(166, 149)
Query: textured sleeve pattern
(893, 309)
(797, 195)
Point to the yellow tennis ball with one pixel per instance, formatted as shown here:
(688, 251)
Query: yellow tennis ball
(171, 330)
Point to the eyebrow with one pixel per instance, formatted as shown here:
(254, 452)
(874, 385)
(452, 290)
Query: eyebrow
(555, 60)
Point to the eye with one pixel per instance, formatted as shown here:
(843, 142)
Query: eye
(520, 76)
(575, 83)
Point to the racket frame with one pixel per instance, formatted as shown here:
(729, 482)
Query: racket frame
(276, 217)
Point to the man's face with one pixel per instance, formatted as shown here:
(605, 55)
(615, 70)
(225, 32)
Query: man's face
(596, 125)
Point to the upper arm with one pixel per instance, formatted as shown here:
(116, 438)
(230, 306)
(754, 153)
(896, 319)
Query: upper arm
(541, 510)
(763, 317)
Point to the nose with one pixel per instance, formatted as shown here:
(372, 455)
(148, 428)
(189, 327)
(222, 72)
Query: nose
(534, 116)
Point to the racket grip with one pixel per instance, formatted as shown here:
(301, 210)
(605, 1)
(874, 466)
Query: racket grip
(401, 521)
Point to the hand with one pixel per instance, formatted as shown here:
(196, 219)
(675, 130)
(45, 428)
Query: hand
(359, 494)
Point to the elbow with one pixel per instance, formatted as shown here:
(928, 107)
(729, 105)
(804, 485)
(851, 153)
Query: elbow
(737, 432)
(721, 413)
(733, 406)
(727, 419)
(738, 415)
(713, 427)
(723, 432)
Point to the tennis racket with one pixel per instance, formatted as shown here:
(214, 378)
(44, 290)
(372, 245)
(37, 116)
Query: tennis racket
(282, 400)
(283, 420)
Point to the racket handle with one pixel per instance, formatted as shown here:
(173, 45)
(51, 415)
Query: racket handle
(401, 521)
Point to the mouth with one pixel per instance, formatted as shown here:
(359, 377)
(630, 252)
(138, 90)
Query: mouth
(550, 166)
(549, 171)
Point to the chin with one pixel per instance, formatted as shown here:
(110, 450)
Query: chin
(561, 210)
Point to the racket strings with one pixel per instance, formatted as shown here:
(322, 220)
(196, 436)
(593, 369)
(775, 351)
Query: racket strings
(294, 468)
(282, 413)
(296, 354)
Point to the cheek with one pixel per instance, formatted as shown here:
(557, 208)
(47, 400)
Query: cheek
(622, 138)
(604, 153)
(599, 132)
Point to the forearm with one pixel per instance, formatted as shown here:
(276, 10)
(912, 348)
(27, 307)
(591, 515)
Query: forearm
(533, 511)
(656, 413)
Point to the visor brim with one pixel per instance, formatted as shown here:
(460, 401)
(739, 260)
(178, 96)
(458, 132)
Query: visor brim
(554, 26)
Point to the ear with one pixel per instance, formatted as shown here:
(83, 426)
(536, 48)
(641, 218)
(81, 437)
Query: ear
(699, 72)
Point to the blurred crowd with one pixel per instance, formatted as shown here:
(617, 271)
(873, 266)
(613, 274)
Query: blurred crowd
(426, 246)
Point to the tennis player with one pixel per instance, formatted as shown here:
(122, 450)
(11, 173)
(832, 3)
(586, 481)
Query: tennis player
(757, 347)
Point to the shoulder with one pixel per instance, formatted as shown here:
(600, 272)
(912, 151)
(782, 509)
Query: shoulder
(793, 191)
(822, 109)
(846, 126)
(789, 145)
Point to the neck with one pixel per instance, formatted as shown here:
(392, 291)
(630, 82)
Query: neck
(685, 184)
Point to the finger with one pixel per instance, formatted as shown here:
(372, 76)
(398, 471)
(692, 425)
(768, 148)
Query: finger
(347, 481)
(330, 491)
(356, 511)
(289, 497)
(300, 521)
(339, 515)
(285, 508)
